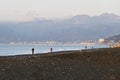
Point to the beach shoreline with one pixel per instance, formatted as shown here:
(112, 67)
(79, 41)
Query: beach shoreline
(91, 64)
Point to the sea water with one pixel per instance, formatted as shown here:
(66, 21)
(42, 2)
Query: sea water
(6, 49)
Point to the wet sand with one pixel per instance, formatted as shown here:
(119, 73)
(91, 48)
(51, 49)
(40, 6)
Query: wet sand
(95, 64)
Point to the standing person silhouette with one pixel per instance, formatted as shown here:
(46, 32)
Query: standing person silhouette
(32, 50)
(51, 49)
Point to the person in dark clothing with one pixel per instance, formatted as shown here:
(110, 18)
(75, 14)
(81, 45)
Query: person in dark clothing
(85, 47)
(32, 50)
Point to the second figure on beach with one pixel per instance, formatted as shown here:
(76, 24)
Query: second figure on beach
(51, 49)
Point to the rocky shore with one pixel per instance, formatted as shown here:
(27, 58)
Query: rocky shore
(95, 64)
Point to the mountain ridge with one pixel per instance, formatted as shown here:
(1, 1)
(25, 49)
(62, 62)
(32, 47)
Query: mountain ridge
(115, 38)
(77, 28)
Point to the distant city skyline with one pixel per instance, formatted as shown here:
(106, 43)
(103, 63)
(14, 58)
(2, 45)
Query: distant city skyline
(27, 10)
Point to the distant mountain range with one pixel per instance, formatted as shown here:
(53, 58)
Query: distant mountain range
(76, 28)
(115, 38)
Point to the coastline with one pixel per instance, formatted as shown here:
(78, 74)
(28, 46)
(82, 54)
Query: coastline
(26, 49)
(91, 64)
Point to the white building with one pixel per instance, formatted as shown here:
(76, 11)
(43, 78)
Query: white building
(101, 40)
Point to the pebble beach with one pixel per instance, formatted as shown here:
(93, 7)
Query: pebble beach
(92, 64)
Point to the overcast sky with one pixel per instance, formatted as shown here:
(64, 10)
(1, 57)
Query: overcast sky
(22, 10)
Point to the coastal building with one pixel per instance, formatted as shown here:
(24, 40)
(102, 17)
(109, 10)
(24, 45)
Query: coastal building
(116, 45)
(101, 40)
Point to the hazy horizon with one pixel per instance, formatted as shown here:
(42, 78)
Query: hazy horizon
(57, 18)
(27, 10)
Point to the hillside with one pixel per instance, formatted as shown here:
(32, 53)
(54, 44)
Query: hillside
(100, 64)
(115, 38)
(76, 28)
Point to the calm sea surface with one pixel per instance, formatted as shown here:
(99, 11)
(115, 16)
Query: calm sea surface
(26, 49)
